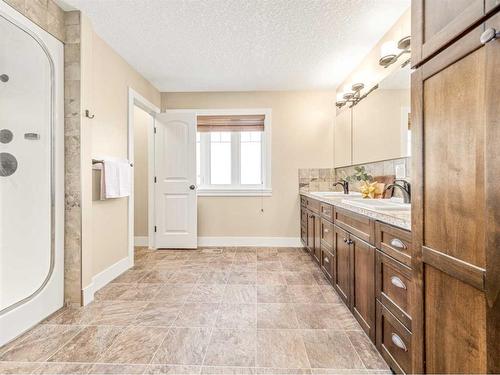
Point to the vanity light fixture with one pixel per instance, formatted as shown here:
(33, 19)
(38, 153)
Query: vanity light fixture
(351, 96)
(354, 97)
(391, 52)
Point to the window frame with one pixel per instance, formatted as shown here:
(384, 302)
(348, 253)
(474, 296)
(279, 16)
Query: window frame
(235, 189)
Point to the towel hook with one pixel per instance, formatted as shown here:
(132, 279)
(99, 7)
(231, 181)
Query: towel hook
(87, 114)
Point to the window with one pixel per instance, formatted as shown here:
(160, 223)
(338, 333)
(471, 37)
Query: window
(232, 154)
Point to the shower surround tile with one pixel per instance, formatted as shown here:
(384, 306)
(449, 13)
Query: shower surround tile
(72, 160)
(45, 13)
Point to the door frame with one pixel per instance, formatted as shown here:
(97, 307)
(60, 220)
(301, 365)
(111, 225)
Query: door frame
(137, 100)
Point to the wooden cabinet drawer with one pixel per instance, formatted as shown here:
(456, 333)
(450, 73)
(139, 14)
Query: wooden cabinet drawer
(312, 204)
(393, 341)
(392, 285)
(327, 263)
(394, 242)
(326, 211)
(359, 225)
(303, 201)
(326, 234)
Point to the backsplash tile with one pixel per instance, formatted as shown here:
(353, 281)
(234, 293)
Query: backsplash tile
(316, 179)
(322, 179)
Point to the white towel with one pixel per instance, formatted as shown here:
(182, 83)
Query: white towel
(117, 177)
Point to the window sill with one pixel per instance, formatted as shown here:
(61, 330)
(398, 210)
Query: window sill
(234, 192)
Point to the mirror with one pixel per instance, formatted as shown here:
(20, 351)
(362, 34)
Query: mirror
(380, 124)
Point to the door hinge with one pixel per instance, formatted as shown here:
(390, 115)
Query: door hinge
(155, 179)
(155, 228)
(155, 129)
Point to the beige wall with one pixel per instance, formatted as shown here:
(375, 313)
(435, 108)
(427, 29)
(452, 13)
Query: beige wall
(302, 136)
(106, 78)
(142, 120)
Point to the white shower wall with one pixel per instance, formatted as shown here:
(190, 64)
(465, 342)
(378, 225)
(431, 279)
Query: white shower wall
(31, 199)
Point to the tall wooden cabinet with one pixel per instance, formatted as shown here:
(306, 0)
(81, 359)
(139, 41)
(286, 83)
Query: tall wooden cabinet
(456, 187)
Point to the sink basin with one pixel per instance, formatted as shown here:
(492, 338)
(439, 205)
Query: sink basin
(378, 204)
(335, 194)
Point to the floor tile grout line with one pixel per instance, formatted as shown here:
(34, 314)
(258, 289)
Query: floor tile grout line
(354, 348)
(81, 328)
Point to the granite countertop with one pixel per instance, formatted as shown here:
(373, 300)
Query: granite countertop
(401, 219)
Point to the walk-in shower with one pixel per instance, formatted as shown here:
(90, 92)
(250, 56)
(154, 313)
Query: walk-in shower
(31, 174)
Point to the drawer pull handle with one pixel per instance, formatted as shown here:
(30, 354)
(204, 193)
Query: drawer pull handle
(396, 340)
(326, 260)
(345, 240)
(396, 281)
(325, 230)
(488, 35)
(395, 242)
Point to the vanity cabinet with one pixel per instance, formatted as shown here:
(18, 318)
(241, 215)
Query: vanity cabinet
(456, 207)
(311, 227)
(363, 275)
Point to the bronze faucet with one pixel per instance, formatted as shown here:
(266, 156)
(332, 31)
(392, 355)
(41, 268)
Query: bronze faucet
(345, 185)
(405, 187)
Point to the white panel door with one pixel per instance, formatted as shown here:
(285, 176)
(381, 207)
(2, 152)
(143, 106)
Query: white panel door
(175, 187)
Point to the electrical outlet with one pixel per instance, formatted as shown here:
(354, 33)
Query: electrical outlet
(400, 170)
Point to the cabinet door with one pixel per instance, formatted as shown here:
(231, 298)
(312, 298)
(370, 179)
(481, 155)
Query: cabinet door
(317, 239)
(341, 276)
(362, 264)
(455, 212)
(310, 232)
(303, 226)
(436, 23)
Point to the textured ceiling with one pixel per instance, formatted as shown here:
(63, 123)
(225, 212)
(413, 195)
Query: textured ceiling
(240, 45)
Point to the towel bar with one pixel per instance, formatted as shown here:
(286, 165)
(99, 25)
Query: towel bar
(96, 161)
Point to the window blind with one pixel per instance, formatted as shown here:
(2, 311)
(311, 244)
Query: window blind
(231, 123)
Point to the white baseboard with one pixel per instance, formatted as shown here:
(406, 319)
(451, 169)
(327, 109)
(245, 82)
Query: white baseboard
(103, 278)
(141, 241)
(250, 241)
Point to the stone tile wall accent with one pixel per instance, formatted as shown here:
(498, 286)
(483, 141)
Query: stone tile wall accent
(45, 13)
(316, 179)
(72, 156)
(380, 168)
(322, 179)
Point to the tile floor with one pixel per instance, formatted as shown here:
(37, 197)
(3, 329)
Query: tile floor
(240, 311)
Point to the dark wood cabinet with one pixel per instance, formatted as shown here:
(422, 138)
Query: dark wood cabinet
(327, 263)
(342, 274)
(362, 264)
(437, 23)
(317, 239)
(456, 207)
(303, 226)
(310, 231)
(392, 285)
(394, 341)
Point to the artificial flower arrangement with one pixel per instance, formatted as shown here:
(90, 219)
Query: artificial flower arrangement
(369, 188)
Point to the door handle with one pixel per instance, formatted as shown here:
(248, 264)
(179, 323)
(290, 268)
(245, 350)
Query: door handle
(192, 187)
